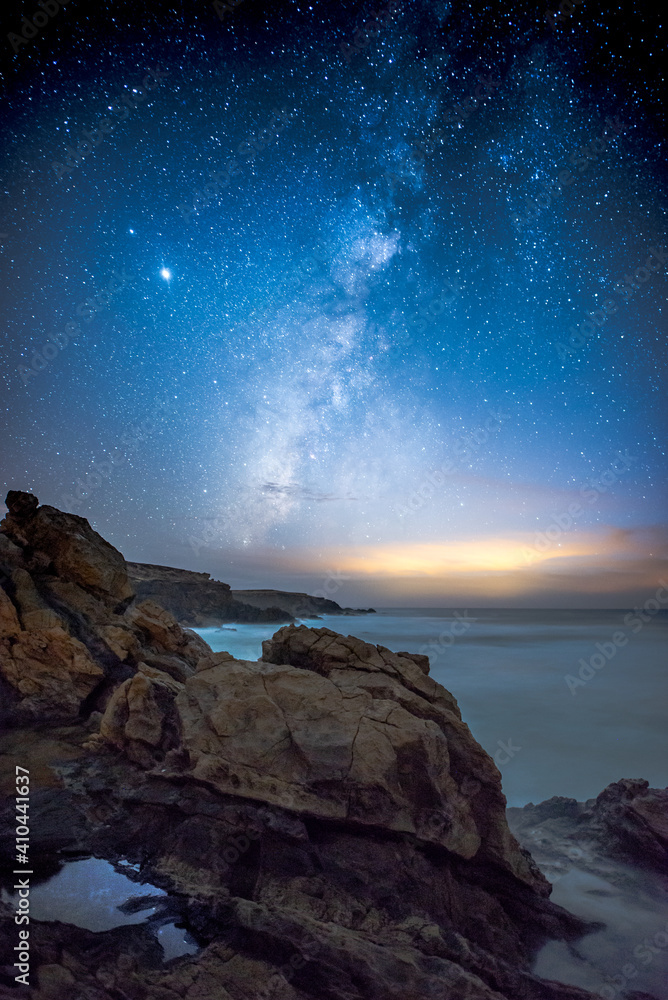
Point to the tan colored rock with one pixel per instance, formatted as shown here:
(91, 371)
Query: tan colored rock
(327, 748)
(137, 713)
(120, 640)
(347, 732)
(9, 619)
(51, 671)
(67, 627)
(33, 610)
(75, 550)
(55, 983)
(163, 632)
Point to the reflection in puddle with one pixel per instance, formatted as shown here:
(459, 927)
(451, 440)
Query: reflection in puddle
(92, 895)
(176, 941)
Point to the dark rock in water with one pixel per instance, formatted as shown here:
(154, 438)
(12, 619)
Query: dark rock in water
(195, 599)
(628, 821)
(323, 821)
(607, 861)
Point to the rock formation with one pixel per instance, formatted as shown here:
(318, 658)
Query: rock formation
(322, 820)
(627, 822)
(69, 630)
(194, 599)
(197, 601)
(298, 604)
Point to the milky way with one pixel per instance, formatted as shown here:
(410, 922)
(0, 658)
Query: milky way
(294, 289)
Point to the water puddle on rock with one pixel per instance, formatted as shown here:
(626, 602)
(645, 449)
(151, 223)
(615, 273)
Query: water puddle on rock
(93, 895)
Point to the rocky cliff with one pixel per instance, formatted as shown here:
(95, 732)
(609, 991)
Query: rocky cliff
(322, 820)
(299, 605)
(194, 599)
(198, 601)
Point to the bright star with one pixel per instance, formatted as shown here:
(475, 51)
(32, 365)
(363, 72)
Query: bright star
(166, 273)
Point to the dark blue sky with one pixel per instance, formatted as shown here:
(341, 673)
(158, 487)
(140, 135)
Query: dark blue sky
(363, 351)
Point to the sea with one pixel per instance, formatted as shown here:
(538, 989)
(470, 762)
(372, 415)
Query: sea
(564, 701)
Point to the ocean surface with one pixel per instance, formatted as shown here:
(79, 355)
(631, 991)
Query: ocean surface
(509, 671)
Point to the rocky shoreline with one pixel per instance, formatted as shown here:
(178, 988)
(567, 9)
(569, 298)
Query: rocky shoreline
(321, 821)
(197, 601)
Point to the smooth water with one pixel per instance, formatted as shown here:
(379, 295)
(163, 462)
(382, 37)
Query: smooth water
(508, 670)
(90, 893)
(630, 952)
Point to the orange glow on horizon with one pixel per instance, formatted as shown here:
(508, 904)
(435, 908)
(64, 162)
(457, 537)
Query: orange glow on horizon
(498, 567)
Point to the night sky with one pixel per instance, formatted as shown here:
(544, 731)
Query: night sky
(298, 311)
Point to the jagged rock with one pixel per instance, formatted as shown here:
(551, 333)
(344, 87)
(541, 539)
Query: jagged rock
(50, 671)
(68, 632)
(77, 553)
(162, 632)
(628, 821)
(334, 728)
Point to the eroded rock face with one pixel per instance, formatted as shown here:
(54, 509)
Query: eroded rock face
(68, 630)
(195, 599)
(628, 822)
(76, 552)
(336, 729)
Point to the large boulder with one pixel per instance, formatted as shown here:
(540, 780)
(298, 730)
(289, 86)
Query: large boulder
(75, 551)
(335, 728)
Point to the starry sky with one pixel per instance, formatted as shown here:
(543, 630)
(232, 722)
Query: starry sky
(298, 293)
